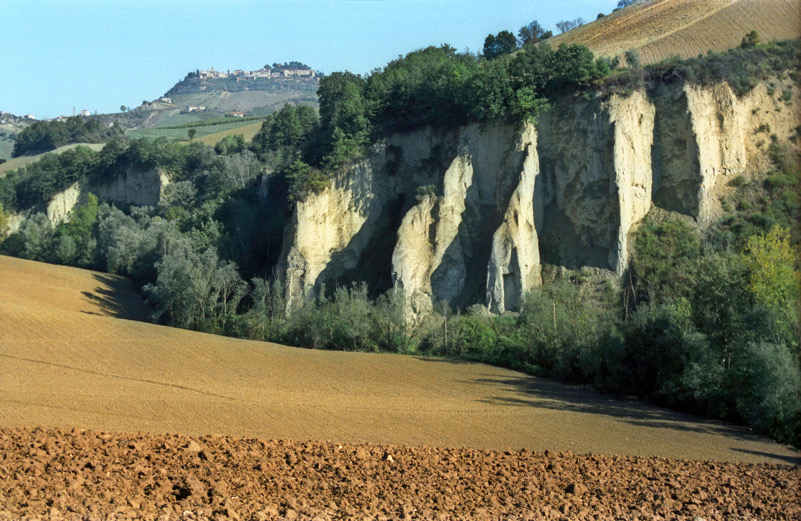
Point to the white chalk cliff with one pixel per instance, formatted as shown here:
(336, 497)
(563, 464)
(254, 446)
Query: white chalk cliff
(470, 214)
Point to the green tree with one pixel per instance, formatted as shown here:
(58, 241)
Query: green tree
(196, 291)
(398, 328)
(266, 318)
(74, 239)
(343, 106)
(191, 133)
(566, 25)
(498, 45)
(633, 59)
(751, 39)
(32, 240)
(773, 280)
(532, 33)
(304, 179)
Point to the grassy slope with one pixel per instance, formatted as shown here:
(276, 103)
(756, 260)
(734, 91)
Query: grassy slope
(69, 359)
(659, 29)
(17, 162)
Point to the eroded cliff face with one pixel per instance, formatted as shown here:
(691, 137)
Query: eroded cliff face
(130, 187)
(468, 216)
(474, 238)
(704, 137)
(596, 167)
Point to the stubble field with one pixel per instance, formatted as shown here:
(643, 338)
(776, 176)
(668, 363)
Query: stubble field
(659, 29)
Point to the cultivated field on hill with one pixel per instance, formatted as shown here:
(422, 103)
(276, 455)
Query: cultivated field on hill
(235, 126)
(248, 131)
(659, 29)
(72, 357)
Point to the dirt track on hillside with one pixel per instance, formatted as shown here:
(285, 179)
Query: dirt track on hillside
(67, 360)
(88, 475)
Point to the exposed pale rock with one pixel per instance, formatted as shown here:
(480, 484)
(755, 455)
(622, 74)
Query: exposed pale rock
(705, 136)
(62, 203)
(134, 187)
(329, 230)
(414, 254)
(139, 188)
(569, 193)
(719, 126)
(633, 119)
(445, 244)
(596, 163)
(514, 266)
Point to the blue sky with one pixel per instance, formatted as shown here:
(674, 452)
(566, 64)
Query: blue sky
(100, 54)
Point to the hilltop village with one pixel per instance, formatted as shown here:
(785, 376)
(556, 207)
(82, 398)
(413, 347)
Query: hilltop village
(266, 72)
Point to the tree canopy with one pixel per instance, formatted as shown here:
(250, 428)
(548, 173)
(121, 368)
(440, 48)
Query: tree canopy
(532, 33)
(44, 136)
(498, 45)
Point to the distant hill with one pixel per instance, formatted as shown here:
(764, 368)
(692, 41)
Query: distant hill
(209, 94)
(267, 89)
(659, 29)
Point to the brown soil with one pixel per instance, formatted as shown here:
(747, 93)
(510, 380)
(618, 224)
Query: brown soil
(93, 475)
(67, 360)
(659, 29)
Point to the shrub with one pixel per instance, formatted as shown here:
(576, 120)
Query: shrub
(663, 263)
(303, 180)
(751, 39)
(769, 394)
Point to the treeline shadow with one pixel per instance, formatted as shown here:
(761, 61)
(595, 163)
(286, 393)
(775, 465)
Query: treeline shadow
(116, 297)
(543, 393)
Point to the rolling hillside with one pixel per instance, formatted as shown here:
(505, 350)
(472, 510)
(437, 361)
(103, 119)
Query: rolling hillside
(72, 357)
(659, 29)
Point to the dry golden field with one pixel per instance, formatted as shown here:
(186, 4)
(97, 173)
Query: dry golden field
(659, 29)
(248, 131)
(73, 355)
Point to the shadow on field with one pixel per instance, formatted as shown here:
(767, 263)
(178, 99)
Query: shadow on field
(541, 393)
(117, 298)
(790, 460)
(546, 394)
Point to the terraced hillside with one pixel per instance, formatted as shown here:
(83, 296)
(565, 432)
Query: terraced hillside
(659, 29)
(72, 357)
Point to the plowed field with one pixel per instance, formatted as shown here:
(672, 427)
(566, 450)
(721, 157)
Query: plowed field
(659, 29)
(71, 357)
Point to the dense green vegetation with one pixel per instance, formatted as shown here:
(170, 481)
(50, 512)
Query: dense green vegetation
(742, 67)
(437, 87)
(36, 183)
(43, 136)
(706, 322)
